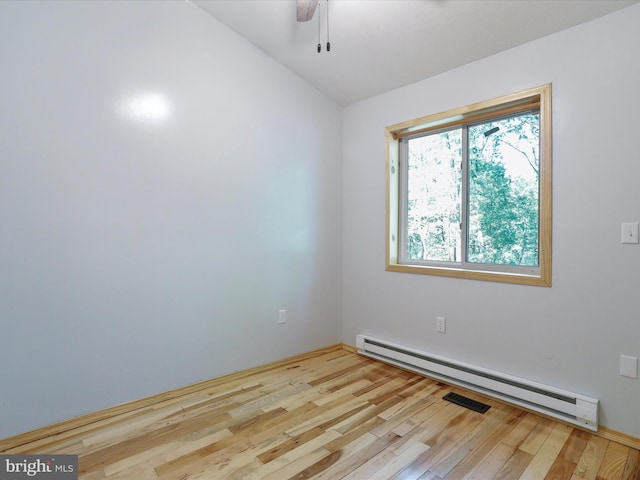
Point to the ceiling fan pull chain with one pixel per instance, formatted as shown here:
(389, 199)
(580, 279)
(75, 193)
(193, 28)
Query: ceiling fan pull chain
(328, 42)
(319, 46)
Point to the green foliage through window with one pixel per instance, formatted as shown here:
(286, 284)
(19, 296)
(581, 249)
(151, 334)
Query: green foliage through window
(503, 191)
(473, 193)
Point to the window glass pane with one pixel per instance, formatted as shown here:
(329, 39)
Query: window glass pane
(503, 191)
(434, 186)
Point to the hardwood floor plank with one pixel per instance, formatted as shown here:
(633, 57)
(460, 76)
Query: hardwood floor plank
(491, 464)
(614, 462)
(167, 452)
(401, 391)
(337, 370)
(155, 416)
(266, 397)
(400, 420)
(246, 460)
(256, 423)
(121, 450)
(355, 422)
(414, 402)
(632, 467)
(591, 458)
(439, 439)
(482, 440)
(517, 463)
(399, 462)
(97, 475)
(379, 385)
(575, 445)
(409, 419)
(548, 452)
(566, 462)
(344, 460)
(537, 437)
(432, 425)
(206, 466)
(298, 459)
(352, 459)
(139, 472)
(296, 401)
(289, 445)
(370, 467)
(346, 381)
(293, 469)
(328, 397)
(561, 469)
(327, 413)
(268, 432)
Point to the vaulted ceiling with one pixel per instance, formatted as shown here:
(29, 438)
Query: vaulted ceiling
(379, 45)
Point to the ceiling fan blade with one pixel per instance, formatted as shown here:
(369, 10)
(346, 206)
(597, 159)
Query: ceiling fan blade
(306, 9)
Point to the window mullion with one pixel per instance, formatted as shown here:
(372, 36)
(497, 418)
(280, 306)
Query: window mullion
(464, 216)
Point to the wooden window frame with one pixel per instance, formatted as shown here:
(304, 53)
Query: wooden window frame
(538, 98)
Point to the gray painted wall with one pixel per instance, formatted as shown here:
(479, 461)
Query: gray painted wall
(570, 335)
(140, 253)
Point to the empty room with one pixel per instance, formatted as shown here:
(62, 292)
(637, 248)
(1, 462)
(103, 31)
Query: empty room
(329, 239)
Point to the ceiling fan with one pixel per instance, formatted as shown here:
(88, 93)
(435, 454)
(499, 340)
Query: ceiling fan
(306, 9)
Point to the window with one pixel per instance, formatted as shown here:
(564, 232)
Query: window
(469, 191)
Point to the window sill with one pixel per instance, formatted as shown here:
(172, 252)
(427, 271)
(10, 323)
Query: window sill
(519, 279)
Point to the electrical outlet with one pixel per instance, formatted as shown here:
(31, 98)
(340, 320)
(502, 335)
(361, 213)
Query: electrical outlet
(629, 366)
(441, 324)
(630, 232)
(282, 317)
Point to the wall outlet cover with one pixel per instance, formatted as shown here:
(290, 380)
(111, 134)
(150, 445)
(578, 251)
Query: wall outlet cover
(629, 366)
(629, 232)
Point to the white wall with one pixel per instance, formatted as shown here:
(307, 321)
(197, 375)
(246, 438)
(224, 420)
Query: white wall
(136, 257)
(570, 335)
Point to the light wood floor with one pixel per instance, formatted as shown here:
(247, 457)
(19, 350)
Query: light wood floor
(333, 416)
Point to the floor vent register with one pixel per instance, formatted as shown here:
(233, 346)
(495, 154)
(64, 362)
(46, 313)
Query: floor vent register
(466, 402)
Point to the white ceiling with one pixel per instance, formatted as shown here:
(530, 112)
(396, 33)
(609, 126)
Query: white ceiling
(379, 45)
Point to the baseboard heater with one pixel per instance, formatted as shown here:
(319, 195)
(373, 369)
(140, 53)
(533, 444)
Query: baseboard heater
(561, 404)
